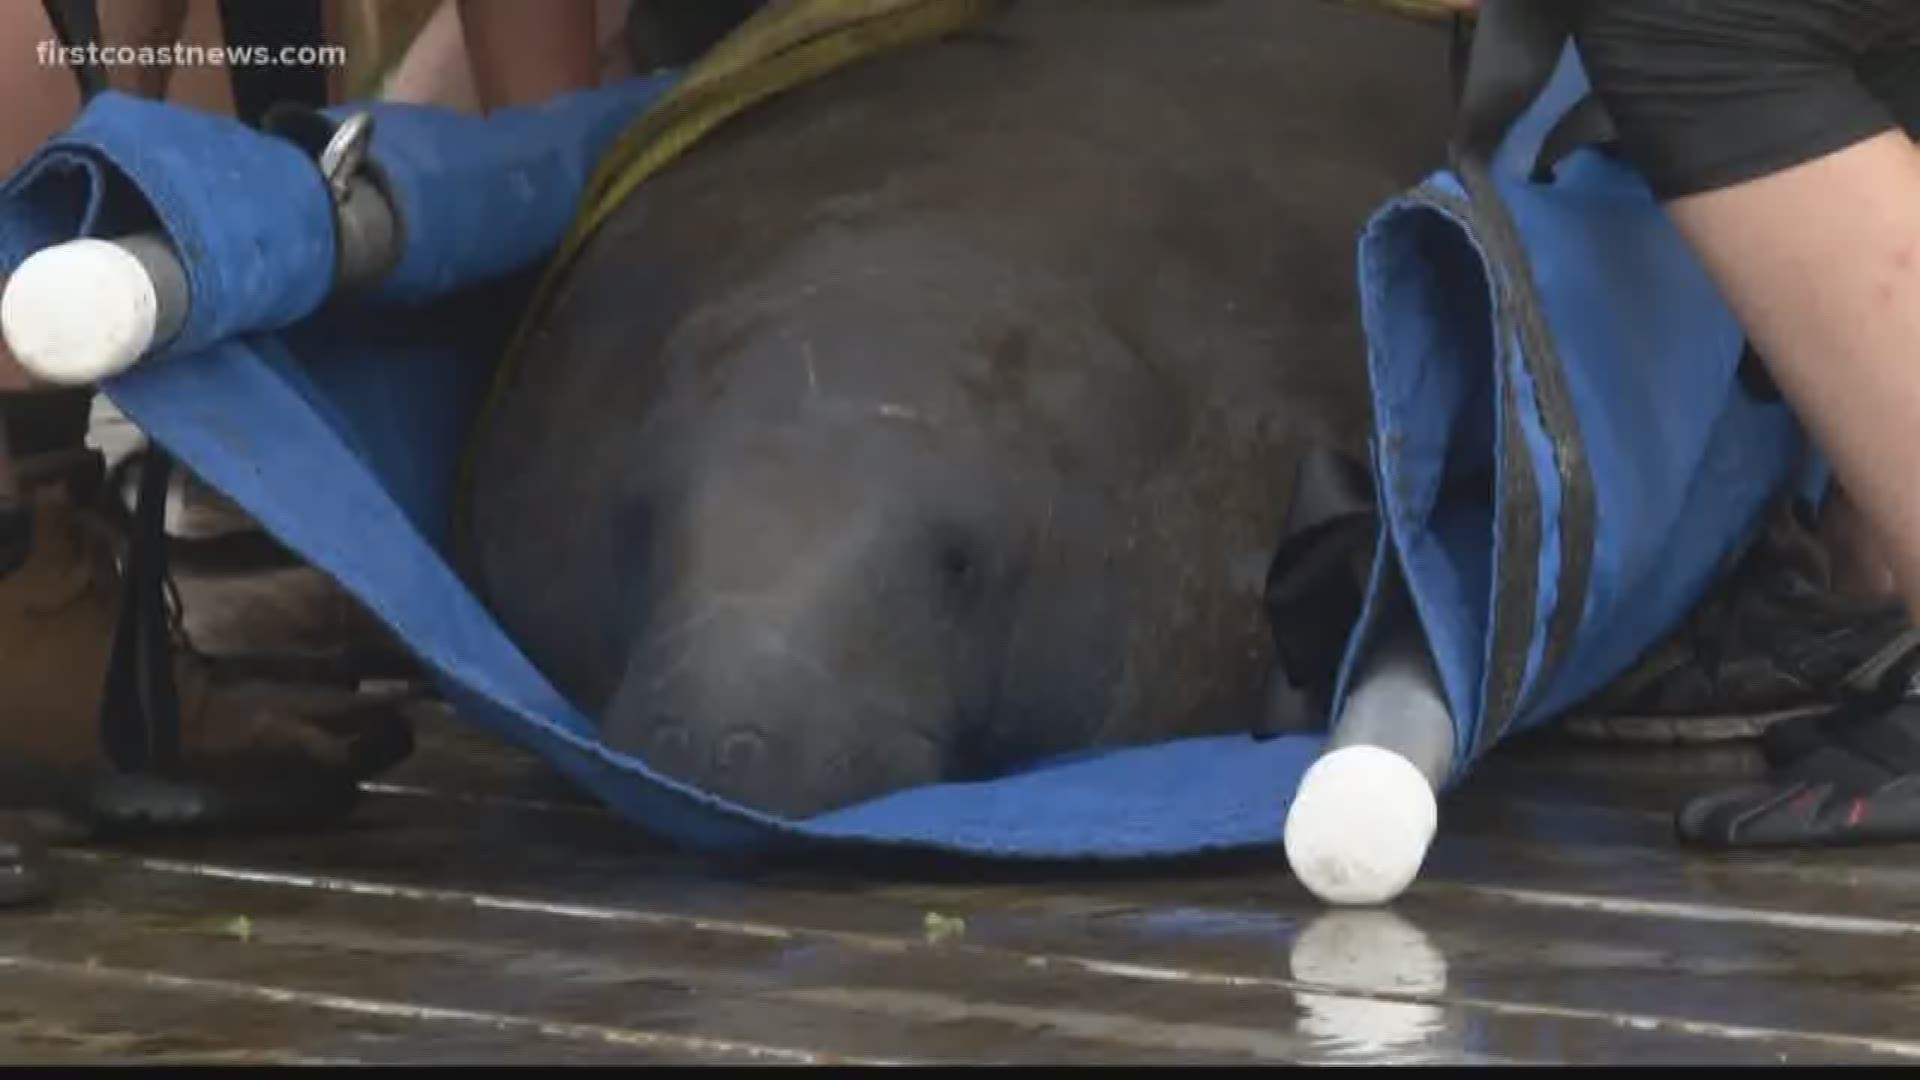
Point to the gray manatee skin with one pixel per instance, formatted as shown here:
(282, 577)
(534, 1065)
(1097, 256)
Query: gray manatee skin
(942, 414)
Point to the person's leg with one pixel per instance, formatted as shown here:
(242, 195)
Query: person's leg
(526, 53)
(1892, 75)
(1822, 264)
(1861, 569)
(435, 68)
(438, 68)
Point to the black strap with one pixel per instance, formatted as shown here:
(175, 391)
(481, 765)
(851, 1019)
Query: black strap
(248, 551)
(1515, 47)
(1316, 584)
(140, 709)
(1518, 47)
(1587, 125)
(257, 88)
(1459, 52)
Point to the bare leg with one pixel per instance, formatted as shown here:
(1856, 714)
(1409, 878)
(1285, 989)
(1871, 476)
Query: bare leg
(435, 69)
(524, 53)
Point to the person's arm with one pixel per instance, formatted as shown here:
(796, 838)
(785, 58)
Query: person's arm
(1821, 264)
(1818, 255)
(524, 53)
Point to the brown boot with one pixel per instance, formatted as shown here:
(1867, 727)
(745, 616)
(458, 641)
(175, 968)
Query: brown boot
(246, 752)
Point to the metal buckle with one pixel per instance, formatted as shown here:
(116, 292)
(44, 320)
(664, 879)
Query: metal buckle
(341, 159)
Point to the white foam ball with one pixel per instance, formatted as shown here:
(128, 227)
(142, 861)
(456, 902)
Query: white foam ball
(1360, 826)
(79, 312)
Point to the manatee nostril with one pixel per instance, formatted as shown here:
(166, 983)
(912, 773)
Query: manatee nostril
(741, 751)
(672, 743)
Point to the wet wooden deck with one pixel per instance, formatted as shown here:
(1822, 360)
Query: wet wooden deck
(479, 912)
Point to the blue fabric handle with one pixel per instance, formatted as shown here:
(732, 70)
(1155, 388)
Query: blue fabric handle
(250, 218)
(1682, 460)
(247, 213)
(482, 198)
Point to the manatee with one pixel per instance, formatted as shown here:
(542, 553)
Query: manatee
(939, 417)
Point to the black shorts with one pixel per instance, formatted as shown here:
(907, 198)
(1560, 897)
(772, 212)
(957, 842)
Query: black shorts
(1709, 93)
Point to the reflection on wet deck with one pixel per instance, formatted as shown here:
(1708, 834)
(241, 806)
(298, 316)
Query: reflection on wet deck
(479, 913)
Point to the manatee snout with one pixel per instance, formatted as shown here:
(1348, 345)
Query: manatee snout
(812, 629)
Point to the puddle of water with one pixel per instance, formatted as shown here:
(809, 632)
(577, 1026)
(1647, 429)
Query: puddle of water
(1368, 952)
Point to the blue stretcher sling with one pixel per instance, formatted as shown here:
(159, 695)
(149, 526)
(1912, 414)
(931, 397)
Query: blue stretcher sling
(1537, 572)
(1565, 455)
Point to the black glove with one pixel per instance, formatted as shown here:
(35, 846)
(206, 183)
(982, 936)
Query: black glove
(1850, 776)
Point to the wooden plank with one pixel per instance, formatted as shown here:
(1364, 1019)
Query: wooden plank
(664, 984)
(54, 1013)
(1552, 926)
(847, 994)
(1819, 986)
